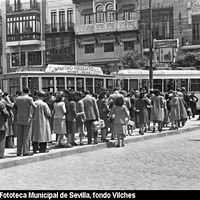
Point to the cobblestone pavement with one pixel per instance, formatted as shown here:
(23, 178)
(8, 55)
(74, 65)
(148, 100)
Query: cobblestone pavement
(170, 162)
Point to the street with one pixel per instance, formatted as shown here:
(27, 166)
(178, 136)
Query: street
(166, 163)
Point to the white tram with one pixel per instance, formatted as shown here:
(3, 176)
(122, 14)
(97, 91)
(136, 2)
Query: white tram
(162, 79)
(56, 78)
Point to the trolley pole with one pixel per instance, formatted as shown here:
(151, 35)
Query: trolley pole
(150, 48)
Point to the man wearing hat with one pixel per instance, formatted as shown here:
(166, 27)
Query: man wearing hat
(3, 118)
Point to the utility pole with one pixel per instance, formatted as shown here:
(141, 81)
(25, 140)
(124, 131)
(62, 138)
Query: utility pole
(150, 48)
(19, 46)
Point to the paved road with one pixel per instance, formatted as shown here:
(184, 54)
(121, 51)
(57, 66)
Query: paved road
(171, 162)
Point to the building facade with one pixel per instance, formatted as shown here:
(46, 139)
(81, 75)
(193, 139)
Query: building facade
(59, 32)
(177, 19)
(105, 30)
(1, 45)
(23, 38)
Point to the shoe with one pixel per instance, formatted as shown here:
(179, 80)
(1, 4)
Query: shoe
(28, 154)
(35, 152)
(47, 151)
(118, 145)
(68, 146)
(2, 157)
(81, 144)
(95, 142)
(154, 130)
(18, 155)
(74, 144)
(89, 142)
(141, 133)
(123, 145)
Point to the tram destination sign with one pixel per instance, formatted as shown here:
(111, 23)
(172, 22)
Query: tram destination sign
(73, 69)
(171, 43)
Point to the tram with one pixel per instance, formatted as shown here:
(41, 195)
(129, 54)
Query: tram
(164, 80)
(57, 78)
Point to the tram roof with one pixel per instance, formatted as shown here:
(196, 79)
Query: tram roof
(164, 73)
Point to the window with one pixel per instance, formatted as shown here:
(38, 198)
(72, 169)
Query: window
(128, 45)
(53, 21)
(162, 24)
(88, 19)
(34, 58)
(69, 18)
(195, 30)
(62, 20)
(16, 61)
(109, 47)
(89, 48)
(195, 85)
(128, 15)
(99, 14)
(109, 13)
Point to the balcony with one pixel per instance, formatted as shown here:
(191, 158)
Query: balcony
(59, 27)
(123, 25)
(22, 7)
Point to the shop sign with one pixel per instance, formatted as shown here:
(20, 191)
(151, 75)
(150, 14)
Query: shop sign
(73, 69)
(171, 43)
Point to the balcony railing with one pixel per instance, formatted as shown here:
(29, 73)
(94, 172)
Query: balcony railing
(24, 36)
(59, 27)
(22, 7)
(107, 27)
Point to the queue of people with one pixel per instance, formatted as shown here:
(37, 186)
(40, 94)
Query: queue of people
(33, 118)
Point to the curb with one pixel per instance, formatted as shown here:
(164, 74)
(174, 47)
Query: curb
(87, 148)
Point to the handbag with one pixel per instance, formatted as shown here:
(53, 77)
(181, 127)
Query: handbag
(97, 125)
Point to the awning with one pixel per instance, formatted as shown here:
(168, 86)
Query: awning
(107, 39)
(127, 7)
(86, 41)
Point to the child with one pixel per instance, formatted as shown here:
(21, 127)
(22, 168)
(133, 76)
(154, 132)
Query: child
(120, 116)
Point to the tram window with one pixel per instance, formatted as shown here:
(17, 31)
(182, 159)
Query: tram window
(144, 83)
(98, 84)
(60, 83)
(169, 84)
(48, 84)
(109, 84)
(181, 83)
(80, 84)
(157, 84)
(70, 83)
(89, 84)
(118, 83)
(195, 84)
(24, 84)
(14, 85)
(124, 84)
(33, 83)
(133, 84)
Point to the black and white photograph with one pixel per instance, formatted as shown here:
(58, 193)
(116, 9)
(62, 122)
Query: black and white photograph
(99, 98)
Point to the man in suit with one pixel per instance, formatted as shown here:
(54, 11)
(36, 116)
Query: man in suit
(3, 118)
(92, 114)
(24, 106)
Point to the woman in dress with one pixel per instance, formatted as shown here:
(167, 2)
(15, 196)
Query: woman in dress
(175, 111)
(120, 116)
(59, 124)
(141, 108)
(80, 116)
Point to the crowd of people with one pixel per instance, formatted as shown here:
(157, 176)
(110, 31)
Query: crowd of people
(33, 118)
